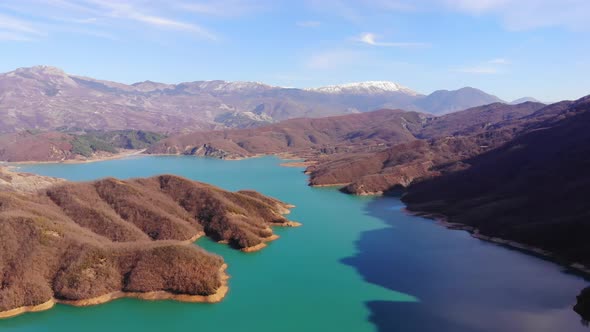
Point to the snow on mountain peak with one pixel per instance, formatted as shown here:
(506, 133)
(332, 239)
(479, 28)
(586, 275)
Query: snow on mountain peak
(369, 87)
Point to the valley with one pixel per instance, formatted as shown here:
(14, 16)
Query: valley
(241, 165)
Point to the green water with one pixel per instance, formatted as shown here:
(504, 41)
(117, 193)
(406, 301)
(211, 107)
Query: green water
(357, 264)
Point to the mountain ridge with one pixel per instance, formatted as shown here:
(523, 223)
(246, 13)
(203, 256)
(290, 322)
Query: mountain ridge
(45, 98)
(365, 87)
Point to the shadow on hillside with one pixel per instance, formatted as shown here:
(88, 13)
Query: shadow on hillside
(438, 268)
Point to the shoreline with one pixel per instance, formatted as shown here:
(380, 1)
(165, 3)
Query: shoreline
(291, 160)
(300, 164)
(194, 238)
(121, 155)
(289, 224)
(219, 294)
(261, 245)
(329, 185)
(271, 238)
(24, 309)
(442, 220)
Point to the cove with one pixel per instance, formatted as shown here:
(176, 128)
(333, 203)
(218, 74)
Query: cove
(357, 264)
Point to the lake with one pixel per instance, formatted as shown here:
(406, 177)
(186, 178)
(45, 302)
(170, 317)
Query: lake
(356, 264)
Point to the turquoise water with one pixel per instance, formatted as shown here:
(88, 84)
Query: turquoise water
(357, 264)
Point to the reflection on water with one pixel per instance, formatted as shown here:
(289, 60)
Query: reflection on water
(464, 284)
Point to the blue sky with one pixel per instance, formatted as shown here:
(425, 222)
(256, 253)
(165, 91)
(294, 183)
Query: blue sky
(511, 48)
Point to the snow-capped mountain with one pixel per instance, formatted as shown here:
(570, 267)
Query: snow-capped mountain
(44, 97)
(369, 87)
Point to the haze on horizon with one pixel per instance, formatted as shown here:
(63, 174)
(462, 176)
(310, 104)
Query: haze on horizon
(511, 48)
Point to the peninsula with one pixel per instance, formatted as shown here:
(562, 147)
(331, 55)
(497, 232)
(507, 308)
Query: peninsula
(92, 242)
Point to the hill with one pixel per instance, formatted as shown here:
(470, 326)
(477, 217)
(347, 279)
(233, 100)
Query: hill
(445, 143)
(531, 190)
(305, 136)
(87, 243)
(366, 151)
(71, 145)
(445, 101)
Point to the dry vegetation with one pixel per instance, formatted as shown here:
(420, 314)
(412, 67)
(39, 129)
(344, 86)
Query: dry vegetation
(446, 145)
(371, 152)
(300, 136)
(532, 190)
(77, 241)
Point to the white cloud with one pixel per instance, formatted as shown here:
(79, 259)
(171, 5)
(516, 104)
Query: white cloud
(66, 15)
(371, 39)
(16, 29)
(16, 25)
(529, 14)
(224, 8)
(478, 6)
(514, 14)
(171, 24)
(130, 11)
(308, 24)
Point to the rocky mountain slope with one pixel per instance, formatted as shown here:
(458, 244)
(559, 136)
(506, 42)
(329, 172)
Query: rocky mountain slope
(532, 190)
(47, 98)
(304, 137)
(349, 147)
(72, 145)
(448, 141)
(87, 243)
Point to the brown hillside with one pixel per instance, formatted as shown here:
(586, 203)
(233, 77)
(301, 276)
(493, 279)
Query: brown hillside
(89, 242)
(533, 190)
(354, 134)
(301, 136)
(24, 182)
(31, 146)
(476, 120)
(450, 140)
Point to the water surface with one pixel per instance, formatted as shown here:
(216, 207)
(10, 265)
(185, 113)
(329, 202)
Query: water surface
(357, 264)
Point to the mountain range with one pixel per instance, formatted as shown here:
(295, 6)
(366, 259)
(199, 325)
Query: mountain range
(511, 173)
(47, 98)
(344, 135)
(514, 172)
